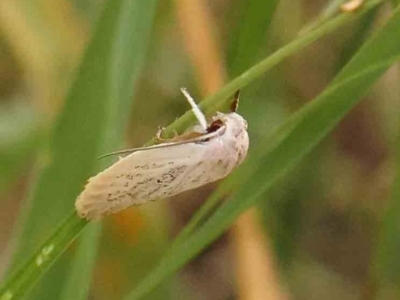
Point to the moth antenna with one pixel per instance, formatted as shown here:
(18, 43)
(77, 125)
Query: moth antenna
(168, 144)
(196, 110)
(127, 151)
(235, 102)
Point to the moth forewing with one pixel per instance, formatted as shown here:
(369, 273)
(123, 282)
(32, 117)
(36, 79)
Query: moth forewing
(167, 169)
(137, 178)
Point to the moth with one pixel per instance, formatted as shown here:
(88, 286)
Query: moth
(205, 153)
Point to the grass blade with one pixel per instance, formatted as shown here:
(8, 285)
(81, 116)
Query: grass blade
(128, 44)
(288, 146)
(220, 100)
(70, 230)
(250, 34)
(91, 123)
(254, 23)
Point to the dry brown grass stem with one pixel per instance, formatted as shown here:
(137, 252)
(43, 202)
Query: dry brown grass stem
(200, 40)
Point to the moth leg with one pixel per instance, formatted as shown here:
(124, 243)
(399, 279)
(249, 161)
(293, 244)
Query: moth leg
(159, 132)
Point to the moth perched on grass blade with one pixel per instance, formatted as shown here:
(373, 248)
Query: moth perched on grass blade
(205, 153)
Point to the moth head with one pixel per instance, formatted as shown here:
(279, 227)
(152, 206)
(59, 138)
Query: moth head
(232, 121)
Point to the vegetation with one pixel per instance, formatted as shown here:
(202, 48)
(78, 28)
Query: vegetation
(320, 176)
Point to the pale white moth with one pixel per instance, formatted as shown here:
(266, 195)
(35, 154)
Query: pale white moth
(205, 153)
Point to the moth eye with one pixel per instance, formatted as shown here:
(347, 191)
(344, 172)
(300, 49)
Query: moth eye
(217, 124)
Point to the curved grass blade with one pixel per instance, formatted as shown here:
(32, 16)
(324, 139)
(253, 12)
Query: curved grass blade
(128, 44)
(219, 100)
(255, 21)
(287, 147)
(238, 63)
(245, 198)
(24, 278)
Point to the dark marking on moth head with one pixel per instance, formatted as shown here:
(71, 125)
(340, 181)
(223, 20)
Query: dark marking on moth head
(214, 126)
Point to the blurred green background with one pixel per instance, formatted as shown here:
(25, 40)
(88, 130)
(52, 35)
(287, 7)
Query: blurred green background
(317, 232)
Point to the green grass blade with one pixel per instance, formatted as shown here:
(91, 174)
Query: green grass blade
(220, 100)
(128, 42)
(77, 283)
(288, 146)
(92, 122)
(255, 20)
(239, 63)
(25, 277)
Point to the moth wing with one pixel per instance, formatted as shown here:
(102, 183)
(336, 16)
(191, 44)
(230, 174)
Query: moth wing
(140, 177)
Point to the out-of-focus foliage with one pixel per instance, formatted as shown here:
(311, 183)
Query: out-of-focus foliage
(330, 232)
